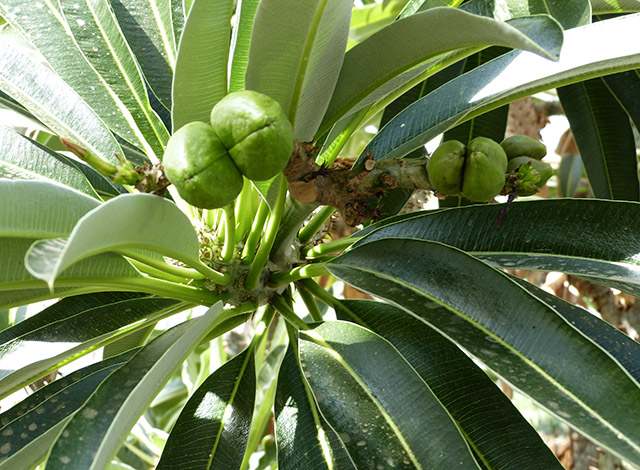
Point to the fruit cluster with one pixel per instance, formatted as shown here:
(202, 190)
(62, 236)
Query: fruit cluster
(249, 135)
(480, 171)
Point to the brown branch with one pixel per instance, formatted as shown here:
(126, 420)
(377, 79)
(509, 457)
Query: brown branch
(348, 190)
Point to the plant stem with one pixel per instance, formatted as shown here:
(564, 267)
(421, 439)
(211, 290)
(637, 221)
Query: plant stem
(244, 210)
(249, 250)
(300, 272)
(163, 266)
(329, 156)
(309, 302)
(229, 233)
(160, 274)
(331, 247)
(273, 224)
(321, 294)
(317, 221)
(211, 217)
(282, 306)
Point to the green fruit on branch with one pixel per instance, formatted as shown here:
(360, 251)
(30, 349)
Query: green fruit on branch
(255, 132)
(445, 167)
(199, 166)
(484, 170)
(523, 146)
(530, 175)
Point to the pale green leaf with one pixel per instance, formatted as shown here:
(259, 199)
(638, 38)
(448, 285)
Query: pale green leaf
(240, 41)
(200, 79)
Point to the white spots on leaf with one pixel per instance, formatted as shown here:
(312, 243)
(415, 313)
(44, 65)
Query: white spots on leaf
(32, 427)
(64, 459)
(89, 413)
(391, 462)
(5, 448)
(40, 410)
(7, 432)
(345, 437)
(361, 443)
(81, 22)
(65, 433)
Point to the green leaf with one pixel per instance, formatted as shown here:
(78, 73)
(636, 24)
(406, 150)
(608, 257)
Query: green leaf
(382, 410)
(147, 27)
(386, 57)
(213, 428)
(532, 236)
(516, 334)
(53, 101)
(496, 431)
(23, 158)
(373, 17)
(268, 190)
(40, 209)
(569, 174)
(47, 30)
(604, 136)
(626, 88)
(297, 62)
(589, 51)
(128, 222)
(29, 429)
(413, 6)
(110, 55)
(303, 437)
(617, 344)
(614, 6)
(71, 328)
(95, 433)
(200, 79)
(240, 41)
(570, 13)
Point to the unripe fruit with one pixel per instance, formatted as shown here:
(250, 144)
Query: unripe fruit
(523, 146)
(532, 174)
(484, 170)
(255, 131)
(200, 168)
(445, 167)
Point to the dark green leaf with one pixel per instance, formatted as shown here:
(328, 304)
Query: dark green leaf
(95, 433)
(516, 334)
(30, 428)
(569, 174)
(626, 88)
(590, 51)
(603, 133)
(304, 438)
(70, 328)
(534, 236)
(496, 431)
(570, 13)
(382, 410)
(213, 427)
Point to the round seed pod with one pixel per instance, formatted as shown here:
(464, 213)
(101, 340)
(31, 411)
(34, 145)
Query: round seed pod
(445, 167)
(256, 133)
(484, 170)
(523, 146)
(198, 165)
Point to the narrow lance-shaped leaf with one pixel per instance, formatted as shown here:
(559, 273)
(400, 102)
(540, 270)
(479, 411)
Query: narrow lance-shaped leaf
(382, 410)
(123, 223)
(589, 51)
(30, 428)
(48, 31)
(213, 428)
(111, 56)
(626, 88)
(513, 332)
(603, 133)
(297, 62)
(200, 79)
(532, 236)
(386, 58)
(23, 158)
(240, 41)
(53, 101)
(303, 437)
(498, 434)
(115, 407)
(147, 27)
(69, 329)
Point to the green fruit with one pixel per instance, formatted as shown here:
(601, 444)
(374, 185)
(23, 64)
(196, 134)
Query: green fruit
(200, 168)
(256, 133)
(445, 167)
(523, 146)
(531, 176)
(484, 170)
